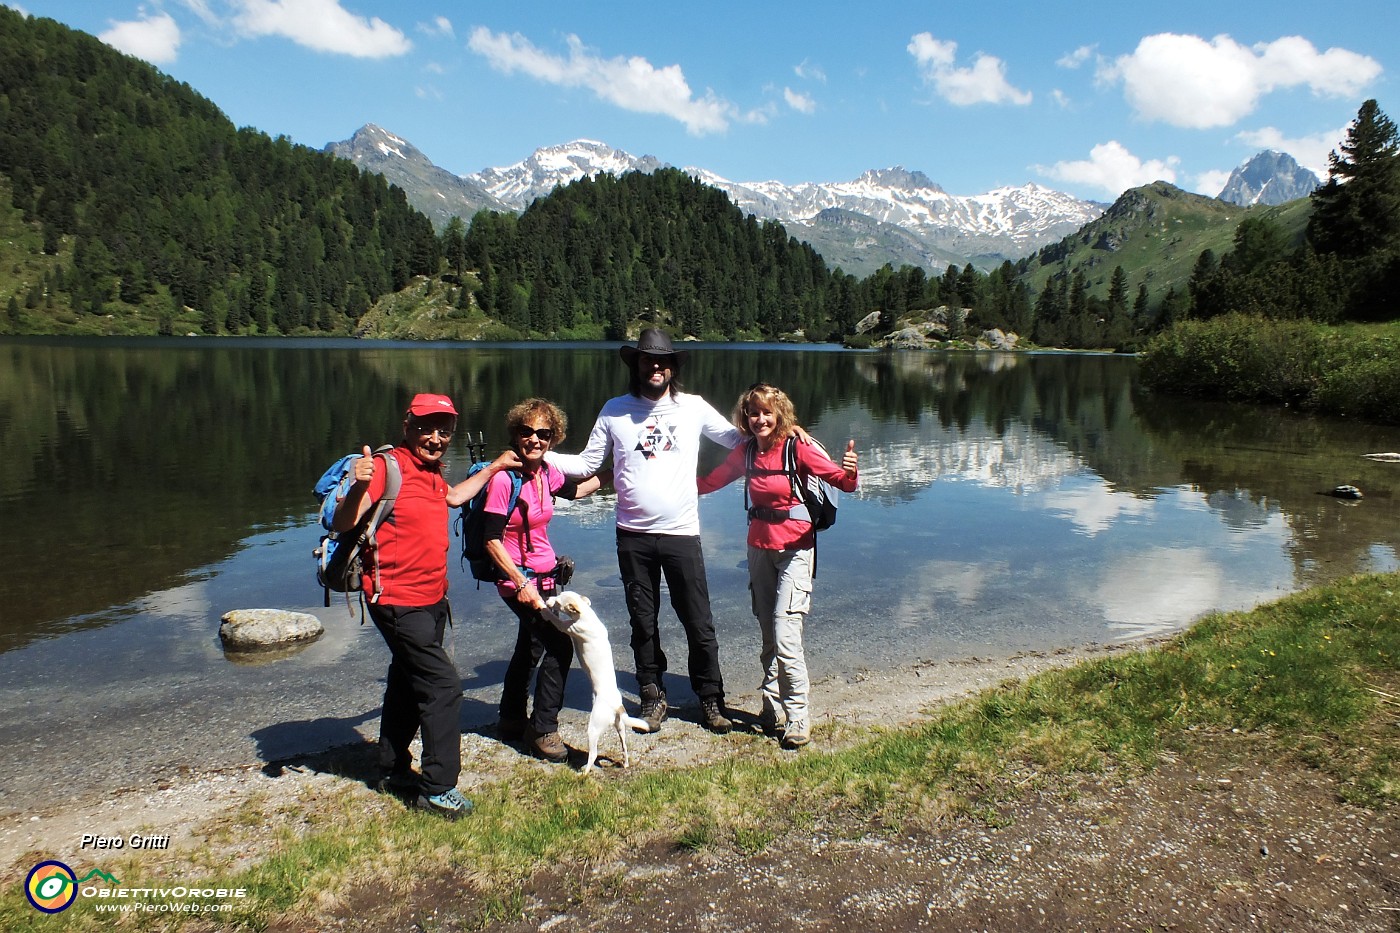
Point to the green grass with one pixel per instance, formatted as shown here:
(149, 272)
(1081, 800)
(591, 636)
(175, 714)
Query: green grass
(1312, 676)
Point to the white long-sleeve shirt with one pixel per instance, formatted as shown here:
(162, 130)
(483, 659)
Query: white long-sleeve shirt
(655, 450)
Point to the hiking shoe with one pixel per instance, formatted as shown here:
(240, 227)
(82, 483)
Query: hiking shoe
(450, 804)
(653, 706)
(712, 715)
(770, 725)
(510, 728)
(548, 746)
(796, 734)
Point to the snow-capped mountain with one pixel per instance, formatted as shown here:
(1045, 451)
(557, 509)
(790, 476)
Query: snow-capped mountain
(1269, 178)
(1004, 222)
(435, 191)
(519, 184)
(889, 215)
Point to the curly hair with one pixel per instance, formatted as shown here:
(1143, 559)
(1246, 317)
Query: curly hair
(772, 398)
(531, 408)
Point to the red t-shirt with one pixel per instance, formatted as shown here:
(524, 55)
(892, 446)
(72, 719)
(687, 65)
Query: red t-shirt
(413, 541)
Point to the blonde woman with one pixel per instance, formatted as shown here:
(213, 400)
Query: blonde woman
(781, 543)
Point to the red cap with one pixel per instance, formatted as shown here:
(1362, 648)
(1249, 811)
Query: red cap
(424, 404)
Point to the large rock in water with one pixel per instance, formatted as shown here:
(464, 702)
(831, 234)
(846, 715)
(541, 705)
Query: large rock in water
(251, 629)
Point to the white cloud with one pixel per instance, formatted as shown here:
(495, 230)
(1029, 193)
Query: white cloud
(1310, 151)
(983, 83)
(1078, 57)
(322, 25)
(630, 83)
(802, 103)
(810, 72)
(1188, 82)
(1113, 169)
(1060, 98)
(155, 39)
(440, 26)
(201, 9)
(1211, 182)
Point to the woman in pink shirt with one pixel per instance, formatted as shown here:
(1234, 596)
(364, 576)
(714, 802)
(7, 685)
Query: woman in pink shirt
(781, 544)
(518, 541)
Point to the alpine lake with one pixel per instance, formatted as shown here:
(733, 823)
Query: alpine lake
(1008, 502)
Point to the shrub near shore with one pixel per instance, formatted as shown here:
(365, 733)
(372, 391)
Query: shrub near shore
(1351, 370)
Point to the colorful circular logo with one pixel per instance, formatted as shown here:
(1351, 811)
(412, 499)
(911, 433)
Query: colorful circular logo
(51, 887)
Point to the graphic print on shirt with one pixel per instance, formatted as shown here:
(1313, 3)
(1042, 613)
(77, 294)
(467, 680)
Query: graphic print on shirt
(657, 435)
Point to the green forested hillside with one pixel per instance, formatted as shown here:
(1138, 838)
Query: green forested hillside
(156, 213)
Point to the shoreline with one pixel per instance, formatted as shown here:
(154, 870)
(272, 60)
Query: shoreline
(187, 806)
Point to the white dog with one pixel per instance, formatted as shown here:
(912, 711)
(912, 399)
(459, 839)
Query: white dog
(575, 617)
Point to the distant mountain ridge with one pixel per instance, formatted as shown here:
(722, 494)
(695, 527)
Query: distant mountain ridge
(892, 215)
(889, 215)
(435, 191)
(1269, 178)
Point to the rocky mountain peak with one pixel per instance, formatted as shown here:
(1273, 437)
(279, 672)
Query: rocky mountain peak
(900, 178)
(1269, 178)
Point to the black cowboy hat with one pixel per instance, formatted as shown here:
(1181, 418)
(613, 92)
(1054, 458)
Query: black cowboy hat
(652, 342)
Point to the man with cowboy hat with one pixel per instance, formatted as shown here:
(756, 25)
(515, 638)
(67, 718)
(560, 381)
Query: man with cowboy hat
(653, 436)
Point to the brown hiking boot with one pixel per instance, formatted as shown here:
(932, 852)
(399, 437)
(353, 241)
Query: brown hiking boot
(654, 706)
(712, 715)
(549, 746)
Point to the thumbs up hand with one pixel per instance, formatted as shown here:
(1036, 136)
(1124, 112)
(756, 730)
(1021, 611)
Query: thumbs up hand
(364, 467)
(850, 460)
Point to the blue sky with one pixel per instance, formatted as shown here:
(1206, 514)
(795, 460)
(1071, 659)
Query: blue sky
(1090, 98)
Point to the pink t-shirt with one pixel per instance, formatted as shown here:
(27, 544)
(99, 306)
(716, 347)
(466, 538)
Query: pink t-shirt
(537, 493)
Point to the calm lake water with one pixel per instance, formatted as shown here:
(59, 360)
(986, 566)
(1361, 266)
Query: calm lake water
(1008, 502)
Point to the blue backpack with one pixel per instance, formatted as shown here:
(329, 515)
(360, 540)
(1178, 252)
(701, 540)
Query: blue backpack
(343, 558)
(472, 525)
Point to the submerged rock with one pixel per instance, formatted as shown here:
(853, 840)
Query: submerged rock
(1346, 492)
(252, 629)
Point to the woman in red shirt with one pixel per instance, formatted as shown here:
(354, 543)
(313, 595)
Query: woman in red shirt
(781, 544)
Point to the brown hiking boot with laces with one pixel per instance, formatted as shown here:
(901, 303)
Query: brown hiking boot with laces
(548, 746)
(712, 715)
(654, 706)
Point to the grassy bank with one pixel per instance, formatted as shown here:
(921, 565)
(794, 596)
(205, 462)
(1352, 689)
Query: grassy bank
(1313, 676)
(1352, 370)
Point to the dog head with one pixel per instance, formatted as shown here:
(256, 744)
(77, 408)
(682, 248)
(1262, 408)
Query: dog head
(566, 608)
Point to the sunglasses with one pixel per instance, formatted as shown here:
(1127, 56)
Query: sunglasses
(525, 432)
(444, 434)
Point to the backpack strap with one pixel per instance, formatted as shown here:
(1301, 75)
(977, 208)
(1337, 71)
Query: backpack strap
(799, 511)
(393, 482)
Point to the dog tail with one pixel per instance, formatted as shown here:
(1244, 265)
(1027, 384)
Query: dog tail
(632, 722)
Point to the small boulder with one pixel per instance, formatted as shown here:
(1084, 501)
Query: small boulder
(251, 629)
